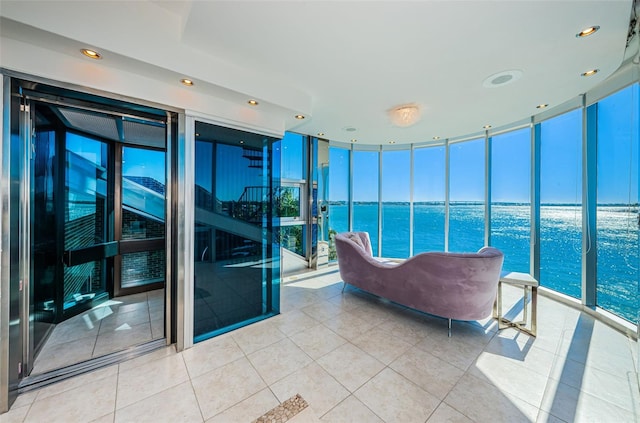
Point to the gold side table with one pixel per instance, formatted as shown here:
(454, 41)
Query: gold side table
(527, 282)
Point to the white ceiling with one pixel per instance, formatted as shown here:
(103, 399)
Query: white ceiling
(345, 64)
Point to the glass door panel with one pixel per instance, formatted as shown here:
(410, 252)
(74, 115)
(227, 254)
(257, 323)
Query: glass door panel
(97, 211)
(86, 226)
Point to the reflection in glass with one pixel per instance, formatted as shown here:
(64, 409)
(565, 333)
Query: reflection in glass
(396, 183)
(143, 209)
(287, 202)
(617, 211)
(561, 203)
(511, 198)
(429, 198)
(466, 206)
(44, 249)
(292, 162)
(85, 217)
(365, 195)
(236, 251)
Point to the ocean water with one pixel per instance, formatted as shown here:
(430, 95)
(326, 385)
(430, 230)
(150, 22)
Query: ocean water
(617, 238)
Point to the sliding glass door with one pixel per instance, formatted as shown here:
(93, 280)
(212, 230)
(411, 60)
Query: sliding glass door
(237, 265)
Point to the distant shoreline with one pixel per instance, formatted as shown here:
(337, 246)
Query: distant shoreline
(474, 203)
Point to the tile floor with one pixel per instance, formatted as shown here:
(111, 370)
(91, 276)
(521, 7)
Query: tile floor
(112, 326)
(356, 358)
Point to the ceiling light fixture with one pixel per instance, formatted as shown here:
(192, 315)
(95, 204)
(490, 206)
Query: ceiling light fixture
(404, 116)
(590, 72)
(321, 134)
(487, 126)
(542, 106)
(253, 102)
(92, 54)
(436, 138)
(392, 142)
(588, 31)
(354, 140)
(187, 82)
(299, 117)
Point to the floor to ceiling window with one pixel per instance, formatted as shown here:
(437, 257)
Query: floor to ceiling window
(618, 220)
(613, 274)
(338, 194)
(511, 198)
(396, 183)
(236, 258)
(466, 195)
(561, 203)
(289, 198)
(365, 194)
(429, 199)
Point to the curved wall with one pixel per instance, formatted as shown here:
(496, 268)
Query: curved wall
(558, 195)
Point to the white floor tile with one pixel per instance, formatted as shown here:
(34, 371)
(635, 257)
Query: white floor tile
(395, 399)
(226, 386)
(350, 366)
(249, 409)
(351, 410)
(81, 404)
(148, 379)
(321, 391)
(176, 404)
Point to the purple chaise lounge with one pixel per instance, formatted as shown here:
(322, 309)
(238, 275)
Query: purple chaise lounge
(450, 285)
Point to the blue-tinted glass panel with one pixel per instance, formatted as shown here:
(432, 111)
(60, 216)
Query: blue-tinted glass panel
(429, 198)
(617, 211)
(396, 183)
(338, 194)
(236, 250)
(466, 195)
(561, 203)
(292, 163)
(511, 198)
(365, 195)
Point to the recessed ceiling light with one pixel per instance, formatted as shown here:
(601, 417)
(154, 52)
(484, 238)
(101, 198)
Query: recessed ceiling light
(436, 137)
(354, 140)
(299, 117)
(392, 142)
(91, 53)
(542, 106)
(590, 72)
(197, 135)
(241, 142)
(253, 102)
(187, 82)
(487, 126)
(588, 31)
(321, 134)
